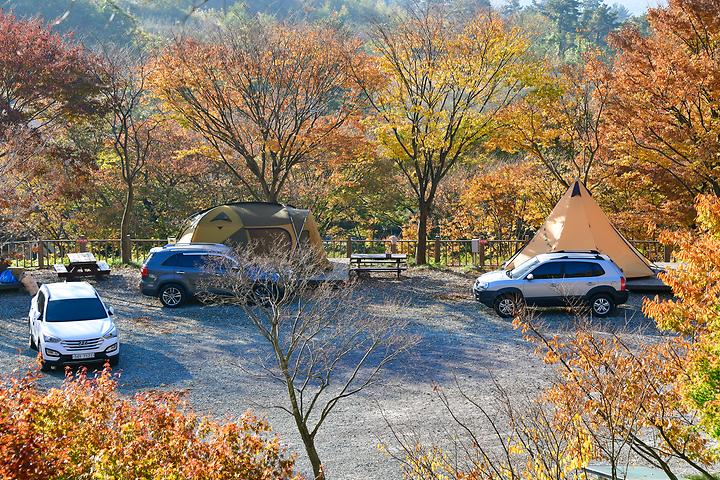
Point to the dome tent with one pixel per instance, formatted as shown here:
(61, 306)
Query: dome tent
(578, 223)
(265, 225)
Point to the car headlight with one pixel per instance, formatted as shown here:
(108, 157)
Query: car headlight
(51, 339)
(111, 334)
(481, 285)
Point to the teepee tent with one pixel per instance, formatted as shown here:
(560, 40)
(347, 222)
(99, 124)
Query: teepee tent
(578, 223)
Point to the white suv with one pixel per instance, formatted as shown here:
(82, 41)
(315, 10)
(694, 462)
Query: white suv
(69, 324)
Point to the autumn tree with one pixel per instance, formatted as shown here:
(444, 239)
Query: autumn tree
(561, 123)
(132, 122)
(85, 429)
(326, 343)
(46, 85)
(693, 312)
(626, 399)
(435, 89)
(267, 97)
(666, 99)
(501, 202)
(518, 438)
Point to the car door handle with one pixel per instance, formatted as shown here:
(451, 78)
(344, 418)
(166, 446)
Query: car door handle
(180, 273)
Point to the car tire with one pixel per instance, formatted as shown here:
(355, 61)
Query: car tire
(172, 295)
(602, 305)
(45, 366)
(508, 305)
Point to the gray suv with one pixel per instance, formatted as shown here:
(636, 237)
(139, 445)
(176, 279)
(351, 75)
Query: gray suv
(173, 272)
(555, 279)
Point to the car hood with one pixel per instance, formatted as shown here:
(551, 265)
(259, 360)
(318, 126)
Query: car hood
(81, 330)
(494, 276)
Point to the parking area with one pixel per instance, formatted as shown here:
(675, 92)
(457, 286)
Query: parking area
(209, 352)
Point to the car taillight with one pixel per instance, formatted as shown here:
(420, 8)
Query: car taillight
(144, 272)
(622, 284)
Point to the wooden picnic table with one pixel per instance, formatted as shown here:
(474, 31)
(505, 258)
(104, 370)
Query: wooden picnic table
(378, 262)
(82, 264)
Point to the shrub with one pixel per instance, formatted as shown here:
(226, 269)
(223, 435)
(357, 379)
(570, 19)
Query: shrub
(85, 429)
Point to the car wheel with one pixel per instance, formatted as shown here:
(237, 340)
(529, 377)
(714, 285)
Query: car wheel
(602, 305)
(172, 295)
(508, 305)
(45, 366)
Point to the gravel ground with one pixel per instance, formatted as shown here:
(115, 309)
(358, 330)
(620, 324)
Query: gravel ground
(201, 349)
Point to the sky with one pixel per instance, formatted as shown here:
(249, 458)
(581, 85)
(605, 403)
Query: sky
(636, 7)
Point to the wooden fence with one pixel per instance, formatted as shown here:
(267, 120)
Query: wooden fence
(46, 253)
(455, 253)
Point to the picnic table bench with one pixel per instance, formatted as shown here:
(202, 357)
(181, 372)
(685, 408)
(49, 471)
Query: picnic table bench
(82, 265)
(378, 262)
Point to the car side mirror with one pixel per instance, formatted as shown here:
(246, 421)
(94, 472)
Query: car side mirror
(529, 276)
(111, 311)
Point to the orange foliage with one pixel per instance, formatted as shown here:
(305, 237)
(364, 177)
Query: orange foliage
(694, 310)
(85, 429)
(624, 398)
(666, 100)
(508, 201)
(266, 98)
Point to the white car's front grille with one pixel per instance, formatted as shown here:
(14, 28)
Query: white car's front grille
(78, 345)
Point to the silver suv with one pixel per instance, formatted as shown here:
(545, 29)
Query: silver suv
(555, 279)
(173, 272)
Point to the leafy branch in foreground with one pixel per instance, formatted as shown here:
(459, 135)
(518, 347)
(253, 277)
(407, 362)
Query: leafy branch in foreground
(327, 341)
(85, 429)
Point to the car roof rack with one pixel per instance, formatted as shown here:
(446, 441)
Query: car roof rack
(577, 251)
(595, 254)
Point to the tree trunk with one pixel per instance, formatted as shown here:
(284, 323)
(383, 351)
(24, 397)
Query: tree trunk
(421, 255)
(125, 253)
(309, 442)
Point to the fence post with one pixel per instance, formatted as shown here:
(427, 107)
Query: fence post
(481, 252)
(436, 250)
(667, 253)
(349, 247)
(41, 254)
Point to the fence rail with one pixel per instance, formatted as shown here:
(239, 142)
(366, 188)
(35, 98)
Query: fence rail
(459, 253)
(455, 253)
(45, 253)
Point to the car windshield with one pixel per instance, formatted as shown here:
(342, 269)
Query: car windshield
(75, 309)
(522, 269)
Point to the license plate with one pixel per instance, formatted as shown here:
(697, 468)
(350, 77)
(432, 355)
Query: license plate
(82, 356)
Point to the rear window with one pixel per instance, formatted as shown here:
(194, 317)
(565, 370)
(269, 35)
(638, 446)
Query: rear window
(75, 309)
(583, 269)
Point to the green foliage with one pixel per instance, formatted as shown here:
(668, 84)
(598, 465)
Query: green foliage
(92, 21)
